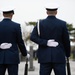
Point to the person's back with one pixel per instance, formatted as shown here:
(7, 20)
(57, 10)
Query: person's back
(8, 30)
(53, 28)
(11, 43)
(53, 41)
(9, 34)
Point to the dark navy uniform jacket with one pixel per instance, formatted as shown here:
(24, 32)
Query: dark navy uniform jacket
(52, 28)
(10, 32)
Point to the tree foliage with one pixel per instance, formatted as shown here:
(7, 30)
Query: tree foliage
(32, 23)
(70, 27)
(71, 30)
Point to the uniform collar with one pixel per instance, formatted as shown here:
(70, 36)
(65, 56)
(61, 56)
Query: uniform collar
(52, 17)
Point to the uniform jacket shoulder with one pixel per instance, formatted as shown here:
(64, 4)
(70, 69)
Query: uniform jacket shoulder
(16, 23)
(61, 20)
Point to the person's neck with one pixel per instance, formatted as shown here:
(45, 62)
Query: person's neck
(7, 17)
(51, 15)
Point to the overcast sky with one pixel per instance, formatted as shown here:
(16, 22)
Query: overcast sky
(32, 10)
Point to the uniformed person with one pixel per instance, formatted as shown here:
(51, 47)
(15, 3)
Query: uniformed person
(53, 41)
(10, 43)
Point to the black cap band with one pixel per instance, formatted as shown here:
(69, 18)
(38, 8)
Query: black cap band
(7, 12)
(51, 9)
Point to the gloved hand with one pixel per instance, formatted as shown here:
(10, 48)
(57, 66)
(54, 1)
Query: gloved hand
(52, 43)
(5, 45)
(28, 56)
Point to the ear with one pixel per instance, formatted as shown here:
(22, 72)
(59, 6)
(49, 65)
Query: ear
(56, 12)
(47, 12)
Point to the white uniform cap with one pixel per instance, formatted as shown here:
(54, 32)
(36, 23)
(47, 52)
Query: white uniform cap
(7, 8)
(52, 6)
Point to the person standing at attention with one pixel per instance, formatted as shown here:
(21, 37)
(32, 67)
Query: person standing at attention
(10, 43)
(53, 41)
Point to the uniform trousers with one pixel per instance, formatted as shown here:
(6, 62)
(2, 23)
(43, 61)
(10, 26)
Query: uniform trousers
(58, 68)
(12, 69)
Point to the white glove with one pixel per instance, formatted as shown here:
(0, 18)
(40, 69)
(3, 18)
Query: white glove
(52, 43)
(5, 45)
(28, 56)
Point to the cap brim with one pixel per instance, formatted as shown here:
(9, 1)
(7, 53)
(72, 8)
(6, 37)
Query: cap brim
(51, 6)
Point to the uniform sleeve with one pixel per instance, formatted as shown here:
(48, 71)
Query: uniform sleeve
(36, 38)
(20, 41)
(66, 41)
